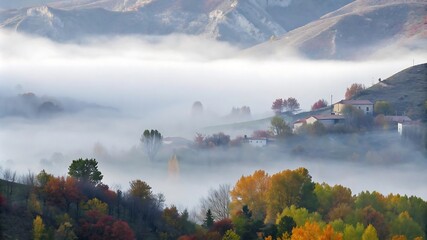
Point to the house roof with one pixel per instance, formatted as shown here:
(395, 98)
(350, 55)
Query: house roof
(397, 119)
(303, 120)
(328, 117)
(356, 102)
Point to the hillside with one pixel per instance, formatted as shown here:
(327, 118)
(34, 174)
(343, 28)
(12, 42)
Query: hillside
(405, 90)
(355, 31)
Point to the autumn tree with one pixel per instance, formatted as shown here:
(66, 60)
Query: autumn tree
(251, 191)
(321, 103)
(215, 140)
(370, 233)
(222, 226)
(405, 225)
(353, 90)
(38, 228)
(95, 204)
(299, 215)
(370, 216)
(383, 107)
(174, 223)
(279, 127)
(293, 105)
(140, 189)
(95, 225)
(353, 232)
(231, 235)
(290, 187)
(218, 201)
(152, 141)
(277, 106)
(65, 231)
(85, 170)
(261, 134)
(313, 231)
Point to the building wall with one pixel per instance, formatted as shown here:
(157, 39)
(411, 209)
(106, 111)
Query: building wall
(297, 125)
(328, 123)
(367, 109)
(258, 142)
(311, 120)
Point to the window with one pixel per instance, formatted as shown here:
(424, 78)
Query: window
(367, 109)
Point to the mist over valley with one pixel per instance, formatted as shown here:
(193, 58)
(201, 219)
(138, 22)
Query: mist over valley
(160, 119)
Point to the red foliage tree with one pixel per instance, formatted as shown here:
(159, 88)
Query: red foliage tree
(354, 89)
(98, 226)
(277, 106)
(319, 104)
(54, 190)
(121, 231)
(261, 134)
(222, 226)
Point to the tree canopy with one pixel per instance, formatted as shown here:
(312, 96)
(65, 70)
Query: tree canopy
(85, 170)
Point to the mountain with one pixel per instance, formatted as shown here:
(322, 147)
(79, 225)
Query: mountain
(356, 30)
(406, 91)
(240, 22)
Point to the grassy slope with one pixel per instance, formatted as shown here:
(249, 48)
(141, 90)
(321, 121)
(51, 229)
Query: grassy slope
(405, 90)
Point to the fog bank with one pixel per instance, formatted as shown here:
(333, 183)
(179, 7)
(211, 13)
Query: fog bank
(152, 83)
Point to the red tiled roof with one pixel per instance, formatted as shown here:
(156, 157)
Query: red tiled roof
(300, 121)
(329, 117)
(356, 102)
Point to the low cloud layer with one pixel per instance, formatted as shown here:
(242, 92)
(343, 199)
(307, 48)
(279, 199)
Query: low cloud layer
(152, 83)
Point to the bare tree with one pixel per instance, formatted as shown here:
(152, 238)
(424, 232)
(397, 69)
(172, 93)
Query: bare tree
(10, 178)
(218, 201)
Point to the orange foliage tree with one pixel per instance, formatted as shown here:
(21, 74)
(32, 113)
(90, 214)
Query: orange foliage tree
(312, 231)
(251, 191)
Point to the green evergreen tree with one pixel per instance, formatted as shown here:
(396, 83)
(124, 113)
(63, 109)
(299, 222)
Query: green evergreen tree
(209, 221)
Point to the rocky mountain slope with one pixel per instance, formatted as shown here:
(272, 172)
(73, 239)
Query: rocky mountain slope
(240, 22)
(356, 30)
(346, 29)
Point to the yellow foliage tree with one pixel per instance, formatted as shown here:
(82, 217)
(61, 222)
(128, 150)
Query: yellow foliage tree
(96, 204)
(312, 231)
(370, 233)
(285, 191)
(38, 228)
(251, 191)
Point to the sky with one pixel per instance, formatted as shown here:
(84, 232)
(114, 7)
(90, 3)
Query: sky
(151, 83)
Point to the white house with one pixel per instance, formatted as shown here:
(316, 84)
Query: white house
(256, 142)
(404, 127)
(365, 105)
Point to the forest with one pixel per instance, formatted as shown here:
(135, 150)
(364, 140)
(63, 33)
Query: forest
(284, 205)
